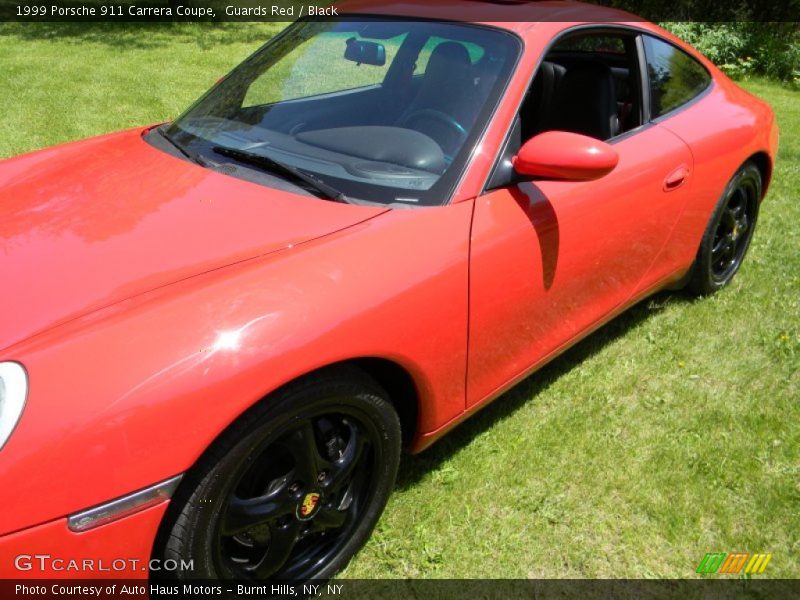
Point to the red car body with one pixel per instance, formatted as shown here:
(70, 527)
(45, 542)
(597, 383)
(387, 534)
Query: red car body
(156, 301)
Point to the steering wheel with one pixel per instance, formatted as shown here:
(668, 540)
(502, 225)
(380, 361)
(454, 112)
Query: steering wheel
(437, 115)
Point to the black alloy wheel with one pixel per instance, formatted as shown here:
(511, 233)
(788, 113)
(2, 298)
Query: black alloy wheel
(292, 491)
(299, 498)
(729, 232)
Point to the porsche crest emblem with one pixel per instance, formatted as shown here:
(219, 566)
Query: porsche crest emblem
(308, 506)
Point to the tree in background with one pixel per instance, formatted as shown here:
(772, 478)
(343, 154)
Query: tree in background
(743, 37)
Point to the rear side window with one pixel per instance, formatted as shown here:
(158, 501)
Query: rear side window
(675, 77)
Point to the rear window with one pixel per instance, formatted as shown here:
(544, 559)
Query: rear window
(675, 77)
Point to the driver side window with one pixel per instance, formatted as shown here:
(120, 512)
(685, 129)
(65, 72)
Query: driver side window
(588, 83)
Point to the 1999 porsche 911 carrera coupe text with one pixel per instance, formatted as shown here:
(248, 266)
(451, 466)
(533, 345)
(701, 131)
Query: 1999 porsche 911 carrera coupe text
(218, 333)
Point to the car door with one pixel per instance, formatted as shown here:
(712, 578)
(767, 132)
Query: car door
(550, 260)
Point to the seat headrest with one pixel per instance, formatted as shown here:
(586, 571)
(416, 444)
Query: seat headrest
(446, 59)
(586, 102)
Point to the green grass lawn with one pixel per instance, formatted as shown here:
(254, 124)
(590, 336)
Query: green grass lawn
(672, 432)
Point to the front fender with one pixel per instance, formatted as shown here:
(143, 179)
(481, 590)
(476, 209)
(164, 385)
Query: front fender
(134, 394)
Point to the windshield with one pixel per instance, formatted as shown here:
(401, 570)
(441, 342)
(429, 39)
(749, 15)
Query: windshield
(383, 111)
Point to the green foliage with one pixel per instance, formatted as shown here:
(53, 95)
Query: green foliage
(746, 48)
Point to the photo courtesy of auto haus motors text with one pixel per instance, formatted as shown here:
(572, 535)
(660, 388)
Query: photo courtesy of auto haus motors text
(403, 299)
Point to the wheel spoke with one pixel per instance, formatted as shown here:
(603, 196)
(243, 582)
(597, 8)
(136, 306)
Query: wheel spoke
(350, 499)
(245, 513)
(738, 205)
(728, 253)
(329, 518)
(281, 543)
(742, 223)
(302, 443)
(719, 247)
(723, 250)
(342, 468)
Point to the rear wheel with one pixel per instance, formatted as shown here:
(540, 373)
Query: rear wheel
(729, 232)
(293, 490)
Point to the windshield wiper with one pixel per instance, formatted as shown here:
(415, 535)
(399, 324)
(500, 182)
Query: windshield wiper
(198, 160)
(323, 189)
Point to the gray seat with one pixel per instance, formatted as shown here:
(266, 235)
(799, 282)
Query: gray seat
(447, 76)
(446, 88)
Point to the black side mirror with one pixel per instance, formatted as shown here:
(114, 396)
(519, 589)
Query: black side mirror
(367, 53)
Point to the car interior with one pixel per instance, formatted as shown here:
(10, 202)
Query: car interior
(586, 84)
(442, 102)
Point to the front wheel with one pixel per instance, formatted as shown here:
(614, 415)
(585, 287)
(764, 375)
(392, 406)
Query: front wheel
(294, 488)
(729, 232)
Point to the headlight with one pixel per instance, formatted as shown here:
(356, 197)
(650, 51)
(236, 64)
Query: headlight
(13, 393)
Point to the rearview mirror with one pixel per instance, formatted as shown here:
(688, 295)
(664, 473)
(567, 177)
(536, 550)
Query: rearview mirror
(565, 155)
(368, 53)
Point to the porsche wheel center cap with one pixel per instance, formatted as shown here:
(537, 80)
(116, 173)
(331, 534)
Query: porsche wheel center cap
(309, 506)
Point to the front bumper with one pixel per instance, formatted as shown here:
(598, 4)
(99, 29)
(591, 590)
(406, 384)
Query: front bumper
(120, 549)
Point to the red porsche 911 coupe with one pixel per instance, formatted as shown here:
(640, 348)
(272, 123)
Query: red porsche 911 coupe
(218, 333)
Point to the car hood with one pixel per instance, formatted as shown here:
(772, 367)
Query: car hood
(88, 224)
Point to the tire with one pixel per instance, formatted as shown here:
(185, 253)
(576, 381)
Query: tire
(728, 234)
(293, 489)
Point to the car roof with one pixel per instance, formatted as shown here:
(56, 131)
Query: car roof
(519, 16)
